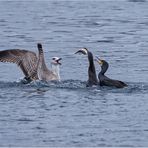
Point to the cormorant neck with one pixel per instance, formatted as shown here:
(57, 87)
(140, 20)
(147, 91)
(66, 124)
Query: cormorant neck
(91, 70)
(91, 62)
(104, 68)
(56, 70)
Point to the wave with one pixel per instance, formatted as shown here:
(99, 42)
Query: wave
(137, 0)
(133, 88)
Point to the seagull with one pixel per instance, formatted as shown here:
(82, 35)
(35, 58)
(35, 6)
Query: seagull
(33, 66)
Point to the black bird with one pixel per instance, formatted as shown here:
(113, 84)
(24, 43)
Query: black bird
(92, 78)
(104, 80)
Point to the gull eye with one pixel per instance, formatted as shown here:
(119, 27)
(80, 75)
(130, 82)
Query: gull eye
(53, 58)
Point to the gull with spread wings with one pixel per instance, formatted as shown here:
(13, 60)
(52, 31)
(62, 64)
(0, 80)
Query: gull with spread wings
(33, 66)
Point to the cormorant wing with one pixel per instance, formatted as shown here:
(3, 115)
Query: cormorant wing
(26, 60)
(114, 83)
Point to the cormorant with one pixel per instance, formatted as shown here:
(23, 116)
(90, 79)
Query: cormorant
(33, 66)
(92, 78)
(104, 80)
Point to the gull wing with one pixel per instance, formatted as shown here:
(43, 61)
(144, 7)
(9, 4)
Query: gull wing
(26, 60)
(43, 72)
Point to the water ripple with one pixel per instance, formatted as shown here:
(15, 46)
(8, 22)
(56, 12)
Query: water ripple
(75, 85)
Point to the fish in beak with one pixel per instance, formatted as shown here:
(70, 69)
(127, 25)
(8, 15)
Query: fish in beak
(82, 51)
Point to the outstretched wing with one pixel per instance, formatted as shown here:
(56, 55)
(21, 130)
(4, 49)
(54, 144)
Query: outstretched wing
(26, 60)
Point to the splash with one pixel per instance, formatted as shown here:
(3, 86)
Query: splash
(76, 85)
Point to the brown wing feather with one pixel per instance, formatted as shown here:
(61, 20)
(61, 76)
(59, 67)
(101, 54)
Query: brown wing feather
(26, 60)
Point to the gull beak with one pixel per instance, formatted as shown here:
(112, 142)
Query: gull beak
(58, 61)
(82, 51)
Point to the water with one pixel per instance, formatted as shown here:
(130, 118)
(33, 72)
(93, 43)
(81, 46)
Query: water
(67, 113)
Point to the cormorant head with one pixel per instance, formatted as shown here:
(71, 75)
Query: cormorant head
(56, 61)
(104, 64)
(101, 62)
(82, 51)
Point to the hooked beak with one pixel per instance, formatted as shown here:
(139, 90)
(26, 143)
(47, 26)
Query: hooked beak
(82, 51)
(99, 60)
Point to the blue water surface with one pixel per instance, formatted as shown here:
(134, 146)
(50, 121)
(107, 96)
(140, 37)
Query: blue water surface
(67, 113)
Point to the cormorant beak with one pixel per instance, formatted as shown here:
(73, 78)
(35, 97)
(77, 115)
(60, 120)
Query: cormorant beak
(82, 51)
(99, 61)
